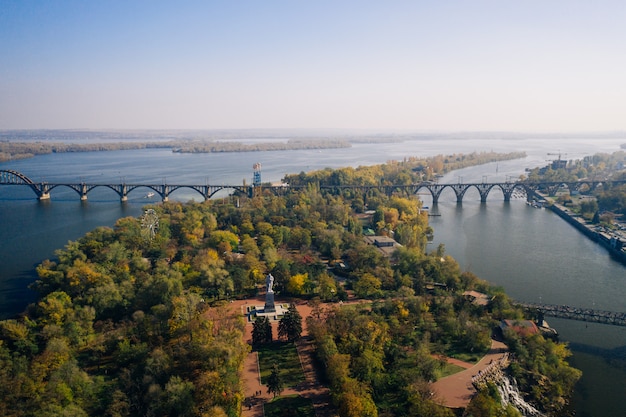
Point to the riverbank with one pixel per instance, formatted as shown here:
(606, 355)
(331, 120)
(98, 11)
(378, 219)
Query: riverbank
(613, 244)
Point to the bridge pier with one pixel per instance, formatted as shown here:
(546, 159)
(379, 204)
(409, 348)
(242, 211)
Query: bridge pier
(83, 191)
(42, 189)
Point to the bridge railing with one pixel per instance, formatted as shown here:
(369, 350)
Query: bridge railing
(578, 313)
(435, 189)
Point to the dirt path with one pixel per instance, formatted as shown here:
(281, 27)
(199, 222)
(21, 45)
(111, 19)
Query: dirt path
(256, 394)
(453, 391)
(453, 361)
(456, 390)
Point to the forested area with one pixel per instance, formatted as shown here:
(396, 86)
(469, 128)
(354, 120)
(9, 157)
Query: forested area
(130, 324)
(12, 150)
(408, 171)
(21, 150)
(598, 167)
(381, 359)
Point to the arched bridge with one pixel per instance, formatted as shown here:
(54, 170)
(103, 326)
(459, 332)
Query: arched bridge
(42, 189)
(508, 188)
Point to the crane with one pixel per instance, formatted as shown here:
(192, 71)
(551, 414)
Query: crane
(558, 163)
(557, 154)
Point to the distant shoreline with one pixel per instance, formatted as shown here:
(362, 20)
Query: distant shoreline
(22, 150)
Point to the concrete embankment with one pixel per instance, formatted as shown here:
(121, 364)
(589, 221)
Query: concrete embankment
(612, 244)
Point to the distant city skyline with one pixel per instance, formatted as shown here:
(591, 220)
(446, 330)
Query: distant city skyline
(531, 66)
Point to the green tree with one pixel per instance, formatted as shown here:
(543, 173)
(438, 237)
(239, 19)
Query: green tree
(368, 286)
(261, 331)
(223, 241)
(290, 326)
(275, 383)
(179, 396)
(327, 287)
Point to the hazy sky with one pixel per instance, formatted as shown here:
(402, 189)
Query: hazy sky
(544, 65)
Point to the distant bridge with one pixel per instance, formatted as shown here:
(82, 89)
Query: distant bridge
(576, 313)
(484, 188)
(43, 189)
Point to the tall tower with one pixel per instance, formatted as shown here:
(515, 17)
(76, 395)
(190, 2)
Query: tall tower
(256, 181)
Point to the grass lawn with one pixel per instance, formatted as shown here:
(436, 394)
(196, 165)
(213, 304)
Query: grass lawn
(290, 406)
(286, 356)
(467, 357)
(463, 355)
(448, 369)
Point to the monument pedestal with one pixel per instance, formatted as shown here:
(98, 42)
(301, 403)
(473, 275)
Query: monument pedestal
(269, 302)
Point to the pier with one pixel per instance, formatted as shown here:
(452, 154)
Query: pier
(577, 313)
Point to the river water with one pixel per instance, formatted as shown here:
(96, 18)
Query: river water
(532, 253)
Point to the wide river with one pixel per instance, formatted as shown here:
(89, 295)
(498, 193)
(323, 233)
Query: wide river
(532, 253)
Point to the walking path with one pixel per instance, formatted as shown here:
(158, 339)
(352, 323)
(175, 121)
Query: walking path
(256, 394)
(456, 391)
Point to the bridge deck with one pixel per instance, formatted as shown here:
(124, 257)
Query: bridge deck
(581, 314)
(42, 189)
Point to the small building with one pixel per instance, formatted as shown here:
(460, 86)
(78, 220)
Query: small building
(385, 244)
(521, 327)
(477, 298)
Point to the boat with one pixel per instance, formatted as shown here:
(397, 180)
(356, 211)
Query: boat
(149, 195)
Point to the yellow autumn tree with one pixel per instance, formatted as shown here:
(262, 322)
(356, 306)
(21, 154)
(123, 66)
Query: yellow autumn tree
(295, 285)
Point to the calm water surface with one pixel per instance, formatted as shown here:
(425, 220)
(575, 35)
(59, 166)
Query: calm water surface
(532, 253)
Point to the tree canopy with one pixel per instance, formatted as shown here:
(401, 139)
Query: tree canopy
(125, 326)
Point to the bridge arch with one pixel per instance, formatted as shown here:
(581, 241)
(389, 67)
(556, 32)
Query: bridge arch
(419, 187)
(170, 189)
(42, 189)
(215, 189)
(8, 176)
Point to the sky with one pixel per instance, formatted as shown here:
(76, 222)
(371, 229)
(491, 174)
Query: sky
(467, 65)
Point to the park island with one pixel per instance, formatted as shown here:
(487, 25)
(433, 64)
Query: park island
(358, 316)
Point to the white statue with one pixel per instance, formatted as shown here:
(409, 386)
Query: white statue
(269, 282)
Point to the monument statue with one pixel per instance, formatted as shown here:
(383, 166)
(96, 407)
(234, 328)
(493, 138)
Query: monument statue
(269, 282)
(269, 297)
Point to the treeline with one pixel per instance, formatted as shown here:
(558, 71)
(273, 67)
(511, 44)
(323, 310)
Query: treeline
(10, 150)
(21, 150)
(130, 324)
(290, 145)
(408, 171)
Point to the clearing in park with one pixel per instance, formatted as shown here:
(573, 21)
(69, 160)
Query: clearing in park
(292, 406)
(286, 356)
